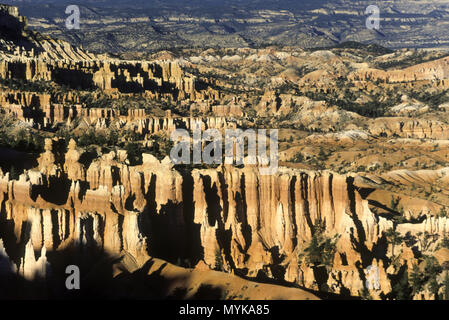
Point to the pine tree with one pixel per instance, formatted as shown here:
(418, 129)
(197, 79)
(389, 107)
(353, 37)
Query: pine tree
(218, 261)
(401, 289)
(431, 270)
(417, 280)
(394, 238)
(321, 249)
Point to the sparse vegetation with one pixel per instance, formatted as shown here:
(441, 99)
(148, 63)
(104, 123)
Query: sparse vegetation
(219, 264)
(425, 276)
(320, 251)
(19, 137)
(394, 238)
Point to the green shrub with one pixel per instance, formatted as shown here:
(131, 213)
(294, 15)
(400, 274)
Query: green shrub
(394, 238)
(321, 249)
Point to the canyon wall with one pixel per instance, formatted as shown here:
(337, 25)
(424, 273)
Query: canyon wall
(29, 56)
(256, 225)
(427, 71)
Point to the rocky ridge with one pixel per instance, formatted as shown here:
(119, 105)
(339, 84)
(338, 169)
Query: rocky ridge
(154, 210)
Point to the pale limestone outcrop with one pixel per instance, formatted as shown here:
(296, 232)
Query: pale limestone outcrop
(433, 70)
(48, 162)
(251, 223)
(32, 269)
(74, 169)
(263, 213)
(304, 111)
(410, 128)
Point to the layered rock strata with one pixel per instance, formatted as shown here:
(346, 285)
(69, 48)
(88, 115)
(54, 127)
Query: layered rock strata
(257, 225)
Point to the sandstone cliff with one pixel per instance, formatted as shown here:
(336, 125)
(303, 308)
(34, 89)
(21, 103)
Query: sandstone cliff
(257, 225)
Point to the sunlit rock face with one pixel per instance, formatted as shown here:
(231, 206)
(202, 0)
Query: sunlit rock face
(362, 148)
(257, 224)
